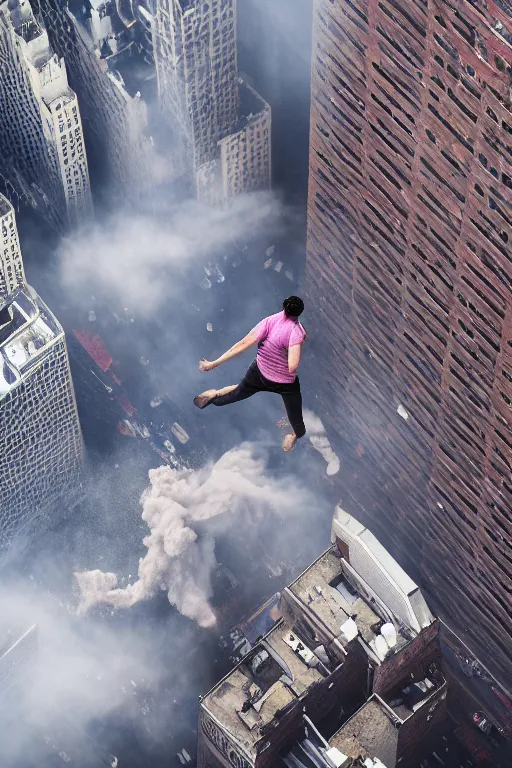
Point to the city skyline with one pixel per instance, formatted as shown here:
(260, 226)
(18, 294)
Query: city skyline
(164, 105)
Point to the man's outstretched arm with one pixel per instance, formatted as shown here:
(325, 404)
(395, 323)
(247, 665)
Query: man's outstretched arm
(236, 349)
(294, 357)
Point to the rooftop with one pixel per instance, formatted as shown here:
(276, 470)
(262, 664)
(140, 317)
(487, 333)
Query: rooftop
(63, 98)
(371, 732)
(353, 598)
(22, 19)
(251, 102)
(379, 573)
(252, 105)
(346, 752)
(269, 679)
(26, 327)
(409, 695)
(326, 591)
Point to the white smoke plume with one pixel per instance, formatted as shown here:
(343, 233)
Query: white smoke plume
(78, 670)
(320, 442)
(140, 260)
(179, 508)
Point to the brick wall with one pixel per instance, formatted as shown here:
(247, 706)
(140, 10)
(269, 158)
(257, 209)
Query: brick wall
(413, 659)
(409, 290)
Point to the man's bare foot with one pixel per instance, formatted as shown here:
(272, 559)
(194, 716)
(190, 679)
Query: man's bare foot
(205, 398)
(289, 442)
(282, 423)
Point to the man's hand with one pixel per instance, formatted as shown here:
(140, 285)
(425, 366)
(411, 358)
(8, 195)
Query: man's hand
(236, 349)
(206, 365)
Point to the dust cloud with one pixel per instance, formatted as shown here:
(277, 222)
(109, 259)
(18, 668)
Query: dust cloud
(185, 509)
(142, 260)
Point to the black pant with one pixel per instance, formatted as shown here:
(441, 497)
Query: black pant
(254, 381)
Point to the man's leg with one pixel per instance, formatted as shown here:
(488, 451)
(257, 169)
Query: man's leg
(232, 394)
(293, 404)
(205, 398)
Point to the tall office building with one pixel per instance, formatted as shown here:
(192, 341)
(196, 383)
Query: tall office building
(107, 47)
(243, 158)
(220, 124)
(11, 264)
(195, 57)
(40, 126)
(408, 279)
(41, 448)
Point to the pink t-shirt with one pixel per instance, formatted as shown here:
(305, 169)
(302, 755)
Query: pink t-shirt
(275, 334)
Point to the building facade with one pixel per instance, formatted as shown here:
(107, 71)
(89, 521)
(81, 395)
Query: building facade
(408, 280)
(41, 451)
(196, 65)
(243, 163)
(221, 125)
(355, 633)
(12, 273)
(40, 129)
(109, 57)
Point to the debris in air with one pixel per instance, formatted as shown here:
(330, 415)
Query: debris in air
(205, 284)
(267, 264)
(179, 433)
(170, 447)
(209, 327)
(402, 412)
(125, 428)
(278, 267)
(92, 316)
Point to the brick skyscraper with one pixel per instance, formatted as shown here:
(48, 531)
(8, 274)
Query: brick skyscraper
(409, 280)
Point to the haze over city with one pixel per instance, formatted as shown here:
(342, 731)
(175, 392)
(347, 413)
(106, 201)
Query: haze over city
(319, 575)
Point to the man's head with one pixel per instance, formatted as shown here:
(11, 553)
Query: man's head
(293, 306)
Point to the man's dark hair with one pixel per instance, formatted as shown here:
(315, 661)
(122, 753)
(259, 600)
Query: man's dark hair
(293, 306)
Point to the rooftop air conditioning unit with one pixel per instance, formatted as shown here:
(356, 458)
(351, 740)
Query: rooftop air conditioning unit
(390, 583)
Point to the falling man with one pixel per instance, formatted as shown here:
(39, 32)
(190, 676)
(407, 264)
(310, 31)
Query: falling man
(279, 338)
